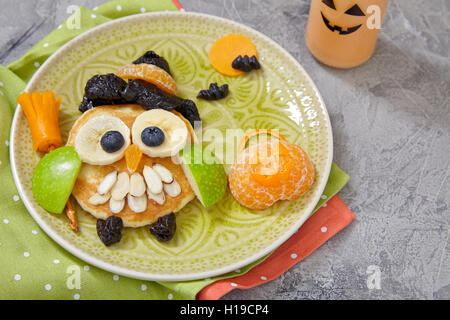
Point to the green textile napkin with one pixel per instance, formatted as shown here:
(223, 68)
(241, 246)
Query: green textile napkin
(32, 265)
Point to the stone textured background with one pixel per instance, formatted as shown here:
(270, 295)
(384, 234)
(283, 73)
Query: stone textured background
(391, 126)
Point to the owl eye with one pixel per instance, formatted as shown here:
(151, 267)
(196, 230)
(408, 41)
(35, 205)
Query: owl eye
(355, 11)
(329, 3)
(102, 140)
(159, 133)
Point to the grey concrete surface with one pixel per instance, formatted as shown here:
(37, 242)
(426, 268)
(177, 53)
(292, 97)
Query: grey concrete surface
(391, 126)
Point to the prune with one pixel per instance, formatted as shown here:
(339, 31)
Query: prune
(189, 110)
(246, 63)
(152, 136)
(214, 92)
(149, 96)
(164, 228)
(112, 141)
(151, 57)
(110, 230)
(106, 86)
(88, 104)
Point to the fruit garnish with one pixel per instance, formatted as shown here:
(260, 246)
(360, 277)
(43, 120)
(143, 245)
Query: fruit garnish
(152, 136)
(54, 178)
(150, 73)
(214, 92)
(205, 174)
(41, 111)
(175, 132)
(151, 57)
(193, 138)
(164, 228)
(248, 136)
(246, 63)
(88, 142)
(269, 171)
(110, 230)
(112, 141)
(133, 156)
(226, 49)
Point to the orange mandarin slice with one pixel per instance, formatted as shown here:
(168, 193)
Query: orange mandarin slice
(150, 73)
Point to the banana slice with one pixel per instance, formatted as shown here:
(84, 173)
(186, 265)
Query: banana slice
(87, 142)
(175, 132)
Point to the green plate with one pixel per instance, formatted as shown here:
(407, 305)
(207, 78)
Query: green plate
(207, 242)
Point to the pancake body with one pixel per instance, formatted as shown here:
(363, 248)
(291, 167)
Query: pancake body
(91, 176)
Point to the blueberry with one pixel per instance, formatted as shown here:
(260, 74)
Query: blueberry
(152, 136)
(112, 141)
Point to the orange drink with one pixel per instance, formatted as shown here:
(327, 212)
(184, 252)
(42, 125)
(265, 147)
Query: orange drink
(343, 33)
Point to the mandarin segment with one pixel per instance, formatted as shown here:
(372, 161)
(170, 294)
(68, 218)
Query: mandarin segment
(149, 73)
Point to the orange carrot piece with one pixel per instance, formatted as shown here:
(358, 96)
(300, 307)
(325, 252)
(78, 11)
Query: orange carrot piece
(41, 111)
(226, 49)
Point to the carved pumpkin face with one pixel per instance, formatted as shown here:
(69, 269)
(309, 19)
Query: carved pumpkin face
(345, 17)
(353, 13)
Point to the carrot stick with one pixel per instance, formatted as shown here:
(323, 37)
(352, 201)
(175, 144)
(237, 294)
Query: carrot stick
(41, 111)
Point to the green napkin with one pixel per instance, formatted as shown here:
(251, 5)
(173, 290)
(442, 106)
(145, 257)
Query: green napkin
(32, 265)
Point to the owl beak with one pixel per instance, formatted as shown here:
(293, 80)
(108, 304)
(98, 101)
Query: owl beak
(133, 156)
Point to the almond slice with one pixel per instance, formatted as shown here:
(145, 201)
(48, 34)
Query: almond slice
(159, 198)
(98, 199)
(137, 185)
(107, 183)
(116, 206)
(153, 180)
(163, 172)
(172, 189)
(137, 204)
(122, 186)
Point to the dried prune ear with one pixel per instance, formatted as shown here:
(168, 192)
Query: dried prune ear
(149, 96)
(151, 57)
(214, 92)
(106, 86)
(164, 228)
(189, 110)
(110, 230)
(246, 63)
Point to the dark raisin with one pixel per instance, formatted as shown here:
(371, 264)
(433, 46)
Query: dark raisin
(151, 57)
(112, 141)
(106, 86)
(110, 230)
(246, 63)
(164, 228)
(149, 96)
(189, 110)
(214, 92)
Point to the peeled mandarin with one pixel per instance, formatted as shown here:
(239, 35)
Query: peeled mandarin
(285, 174)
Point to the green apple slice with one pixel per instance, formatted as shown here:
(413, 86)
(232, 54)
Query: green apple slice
(54, 178)
(205, 174)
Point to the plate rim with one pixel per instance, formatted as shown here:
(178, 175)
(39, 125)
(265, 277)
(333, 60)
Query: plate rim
(127, 272)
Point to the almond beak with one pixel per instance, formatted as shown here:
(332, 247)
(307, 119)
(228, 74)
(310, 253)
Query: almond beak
(133, 156)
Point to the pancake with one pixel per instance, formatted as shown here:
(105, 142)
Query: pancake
(91, 176)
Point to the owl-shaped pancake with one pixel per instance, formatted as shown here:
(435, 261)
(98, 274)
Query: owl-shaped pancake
(107, 139)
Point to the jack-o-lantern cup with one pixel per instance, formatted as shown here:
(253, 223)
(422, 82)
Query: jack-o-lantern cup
(343, 33)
